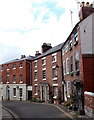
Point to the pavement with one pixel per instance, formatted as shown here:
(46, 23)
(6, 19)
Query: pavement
(6, 114)
(74, 115)
(71, 114)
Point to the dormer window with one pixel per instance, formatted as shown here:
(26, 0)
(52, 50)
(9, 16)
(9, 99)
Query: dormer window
(43, 61)
(20, 65)
(14, 66)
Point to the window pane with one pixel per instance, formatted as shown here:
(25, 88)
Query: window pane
(21, 78)
(55, 91)
(20, 92)
(14, 91)
(44, 74)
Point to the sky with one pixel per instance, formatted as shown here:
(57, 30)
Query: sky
(26, 24)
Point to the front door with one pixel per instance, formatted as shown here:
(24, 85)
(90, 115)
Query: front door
(45, 93)
(8, 93)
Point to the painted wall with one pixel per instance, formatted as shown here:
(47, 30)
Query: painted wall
(87, 35)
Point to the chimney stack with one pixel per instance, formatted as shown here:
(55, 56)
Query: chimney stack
(37, 53)
(23, 56)
(45, 47)
(86, 10)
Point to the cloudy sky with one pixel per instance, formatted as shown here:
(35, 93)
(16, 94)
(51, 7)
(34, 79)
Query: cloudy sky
(26, 24)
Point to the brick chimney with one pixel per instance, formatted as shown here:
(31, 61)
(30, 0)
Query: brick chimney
(86, 10)
(45, 47)
(37, 53)
(23, 56)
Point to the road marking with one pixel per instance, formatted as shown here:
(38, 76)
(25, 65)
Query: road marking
(13, 115)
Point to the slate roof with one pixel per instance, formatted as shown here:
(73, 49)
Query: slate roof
(50, 51)
(17, 60)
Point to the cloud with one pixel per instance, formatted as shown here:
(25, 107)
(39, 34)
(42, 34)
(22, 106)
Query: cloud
(26, 24)
(9, 53)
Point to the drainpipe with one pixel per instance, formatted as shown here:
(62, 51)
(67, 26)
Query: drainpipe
(62, 75)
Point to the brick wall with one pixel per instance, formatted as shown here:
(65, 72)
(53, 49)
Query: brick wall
(89, 103)
(49, 78)
(88, 71)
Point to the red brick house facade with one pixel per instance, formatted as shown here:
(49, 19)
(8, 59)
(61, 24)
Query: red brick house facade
(78, 60)
(16, 78)
(60, 72)
(47, 74)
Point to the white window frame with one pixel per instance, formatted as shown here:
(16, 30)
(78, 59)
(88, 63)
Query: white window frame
(7, 78)
(13, 79)
(68, 89)
(22, 79)
(63, 52)
(36, 90)
(76, 37)
(21, 66)
(44, 69)
(67, 47)
(67, 66)
(44, 59)
(35, 71)
(54, 78)
(55, 88)
(54, 55)
(35, 66)
(64, 67)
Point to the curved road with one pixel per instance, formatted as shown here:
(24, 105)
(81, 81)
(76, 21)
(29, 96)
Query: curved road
(32, 110)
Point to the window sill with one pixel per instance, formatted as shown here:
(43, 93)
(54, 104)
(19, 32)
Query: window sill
(36, 93)
(55, 97)
(14, 82)
(55, 78)
(21, 81)
(14, 96)
(54, 61)
(14, 68)
(35, 80)
(43, 64)
(20, 67)
(7, 82)
(44, 79)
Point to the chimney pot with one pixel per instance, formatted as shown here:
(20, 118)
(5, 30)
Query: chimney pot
(37, 53)
(82, 4)
(91, 5)
(87, 4)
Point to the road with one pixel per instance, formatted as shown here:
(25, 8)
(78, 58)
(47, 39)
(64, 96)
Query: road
(25, 109)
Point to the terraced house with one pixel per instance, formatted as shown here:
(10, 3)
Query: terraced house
(63, 72)
(47, 73)
(78, 61)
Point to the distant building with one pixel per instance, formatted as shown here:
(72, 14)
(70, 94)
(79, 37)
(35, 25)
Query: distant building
(16, 78)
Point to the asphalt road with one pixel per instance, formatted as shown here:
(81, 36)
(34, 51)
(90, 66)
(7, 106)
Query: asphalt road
(33, 110)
